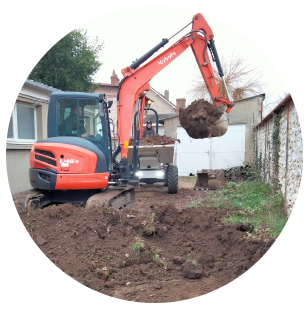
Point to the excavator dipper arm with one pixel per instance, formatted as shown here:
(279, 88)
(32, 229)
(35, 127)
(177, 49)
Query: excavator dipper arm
(136, 79)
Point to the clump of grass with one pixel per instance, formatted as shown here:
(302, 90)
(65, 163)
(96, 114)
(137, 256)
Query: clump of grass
(156, 256)
(276, 223)
(250, 195)
(257, 203)
(136, 246)
(190, 259)
(199, 203)
(149, 228)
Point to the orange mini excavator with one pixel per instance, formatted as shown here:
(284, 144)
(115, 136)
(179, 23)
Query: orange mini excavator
(76, 162)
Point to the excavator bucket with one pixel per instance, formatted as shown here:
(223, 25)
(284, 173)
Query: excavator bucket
(202, 181)
(202, 119)
(210, 179)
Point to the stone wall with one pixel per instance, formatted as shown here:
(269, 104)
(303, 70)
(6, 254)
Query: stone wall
(290, 151)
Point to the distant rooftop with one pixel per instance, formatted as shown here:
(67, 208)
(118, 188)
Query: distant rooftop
(161, 117)
(159, 94)
(35, 84)
(286, 100)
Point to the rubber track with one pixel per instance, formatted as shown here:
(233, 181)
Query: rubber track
(172, 179)
(105, 198)
(34, 199)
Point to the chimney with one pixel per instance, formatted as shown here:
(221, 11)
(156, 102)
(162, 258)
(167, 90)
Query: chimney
(180, 103)
(114, 79)
(166, 95)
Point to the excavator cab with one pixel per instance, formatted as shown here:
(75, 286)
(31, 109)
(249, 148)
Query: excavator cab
(77, 153)
(82, 115)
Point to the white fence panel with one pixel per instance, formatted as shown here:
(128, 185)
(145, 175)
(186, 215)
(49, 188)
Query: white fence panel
(192, 155)
(229, 149)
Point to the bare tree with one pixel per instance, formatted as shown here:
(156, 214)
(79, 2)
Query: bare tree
(242, 80)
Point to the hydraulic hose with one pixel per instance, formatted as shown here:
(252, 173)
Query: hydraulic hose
(115, 154)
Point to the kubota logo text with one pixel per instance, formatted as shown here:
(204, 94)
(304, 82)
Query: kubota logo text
(166, 58)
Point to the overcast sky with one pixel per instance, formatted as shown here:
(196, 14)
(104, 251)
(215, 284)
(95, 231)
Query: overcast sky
(124, 42)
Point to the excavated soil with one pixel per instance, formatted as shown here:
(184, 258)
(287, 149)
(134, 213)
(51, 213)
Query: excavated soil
(200, 120)
(154, 140)
(158, 251)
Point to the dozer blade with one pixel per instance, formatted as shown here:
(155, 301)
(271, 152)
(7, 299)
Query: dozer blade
(202, 181)
(210, 179)
(115, 197)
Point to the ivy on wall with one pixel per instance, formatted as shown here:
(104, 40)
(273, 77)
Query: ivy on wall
(276, 149)
(258, 160)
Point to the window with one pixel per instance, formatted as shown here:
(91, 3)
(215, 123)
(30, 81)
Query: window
(79, 118)
(22, 126)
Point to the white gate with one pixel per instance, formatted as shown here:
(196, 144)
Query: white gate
(192, 155)
(229, 149)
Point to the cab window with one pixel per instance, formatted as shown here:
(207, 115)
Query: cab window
(79, 118)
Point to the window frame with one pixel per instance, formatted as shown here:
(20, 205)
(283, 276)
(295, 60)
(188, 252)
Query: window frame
(15, 139)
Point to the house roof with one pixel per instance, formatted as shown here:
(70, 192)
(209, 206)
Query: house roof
(285, 101)
(171, 116)
(41, 86)
(160, 95)
(106, 84)
(161, 117)
(262, 95)
(151, 88)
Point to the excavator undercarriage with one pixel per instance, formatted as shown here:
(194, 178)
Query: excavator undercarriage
(115, 197)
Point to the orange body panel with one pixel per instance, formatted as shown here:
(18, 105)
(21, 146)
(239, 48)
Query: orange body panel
(140, 77)
(75, 160)
(82, 181)
(75, 166)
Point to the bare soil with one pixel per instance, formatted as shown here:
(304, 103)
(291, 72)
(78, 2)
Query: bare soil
(200, 118)
(158, 251)
(154, 140)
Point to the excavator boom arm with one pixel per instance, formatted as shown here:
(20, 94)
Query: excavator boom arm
(135, 79)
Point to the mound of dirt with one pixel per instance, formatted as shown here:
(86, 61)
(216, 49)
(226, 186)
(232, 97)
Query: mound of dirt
(159, 253)
(201, 119)
(154, 140)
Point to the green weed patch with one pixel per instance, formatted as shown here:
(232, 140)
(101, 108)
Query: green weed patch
(257, 203)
